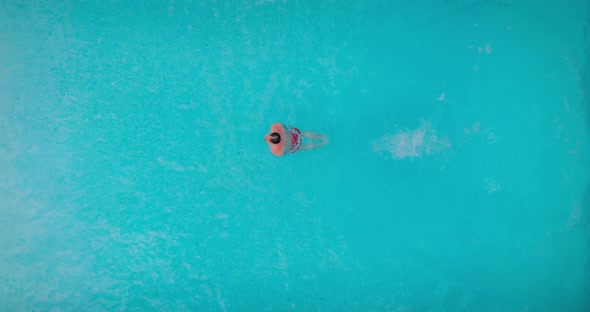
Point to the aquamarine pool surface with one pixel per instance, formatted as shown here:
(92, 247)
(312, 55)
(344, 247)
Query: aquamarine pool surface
(134, 175)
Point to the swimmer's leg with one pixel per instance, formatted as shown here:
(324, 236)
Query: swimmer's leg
(310, 146)
(312, 135)
(315, 136)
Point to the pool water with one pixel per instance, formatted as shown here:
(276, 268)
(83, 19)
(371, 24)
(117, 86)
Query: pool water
(134, 175)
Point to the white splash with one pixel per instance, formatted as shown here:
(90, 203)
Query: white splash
(575, 216)
(491, 186)
(221, 216)
(412, 143)
(487, 49)
(492, 138)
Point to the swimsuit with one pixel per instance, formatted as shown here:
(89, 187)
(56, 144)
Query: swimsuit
(296, 139)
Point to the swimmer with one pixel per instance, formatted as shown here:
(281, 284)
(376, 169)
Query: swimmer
(284, 140)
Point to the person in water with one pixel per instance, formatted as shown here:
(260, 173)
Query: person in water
(284, 140)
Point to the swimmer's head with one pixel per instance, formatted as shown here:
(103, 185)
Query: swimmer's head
(275, 138)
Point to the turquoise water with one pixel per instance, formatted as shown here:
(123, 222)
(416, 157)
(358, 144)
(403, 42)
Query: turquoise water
(134, 175)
